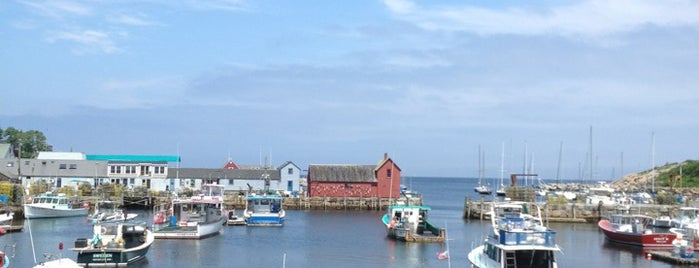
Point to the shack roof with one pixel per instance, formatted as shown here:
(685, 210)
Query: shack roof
(342, 173)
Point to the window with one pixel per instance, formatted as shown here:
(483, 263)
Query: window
(388, 173)
(10, 164)
(130, 169)
(231, 181)
(290, 171)
(62, 166)
(115, 169)
(73, 166)
(159, 170)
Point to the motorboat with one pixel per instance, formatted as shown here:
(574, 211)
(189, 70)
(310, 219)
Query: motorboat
(199, 216)
(114, 244)
(49, 205)
(264, 210)
(519, 239)
(410, 223)
(634, 229)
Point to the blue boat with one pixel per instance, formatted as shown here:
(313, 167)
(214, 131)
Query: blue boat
(264, 210)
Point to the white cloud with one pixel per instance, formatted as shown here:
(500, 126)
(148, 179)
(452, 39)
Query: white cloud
(584, 18)
(131, 20)
(58, 9)
(90, 41)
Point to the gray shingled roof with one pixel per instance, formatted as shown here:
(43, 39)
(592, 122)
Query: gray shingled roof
(342, 173)
(219, 173)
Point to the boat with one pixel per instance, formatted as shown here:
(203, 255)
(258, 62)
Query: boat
(519, 239)
(409, 223)
(114, 244)
(108, 211)
(516, 214)
(481, 188)
(686, 216)
(4, 260)
(633, 229)
(234, 219)
(600, 195)
(501, 190)
(6, 218)
(49, 205)
(662, 221)
(196, 217)
(264, 210)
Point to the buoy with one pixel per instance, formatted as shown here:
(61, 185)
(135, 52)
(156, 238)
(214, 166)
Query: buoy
(649, 256)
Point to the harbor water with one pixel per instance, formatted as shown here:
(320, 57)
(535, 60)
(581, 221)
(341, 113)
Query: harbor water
(336, 238)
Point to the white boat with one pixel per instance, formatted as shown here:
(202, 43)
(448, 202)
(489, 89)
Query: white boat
(264, 210)
(662, 221)
(519, 240)
(6, 218)
(481, 188)
(196, 217)
(114, 244)
(600, 195)
(411, 224)
(108, 211)
(50, 205)
(234, 219)
(515, 215)
(686, 216)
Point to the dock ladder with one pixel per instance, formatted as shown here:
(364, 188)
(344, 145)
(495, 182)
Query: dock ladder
(510, 260)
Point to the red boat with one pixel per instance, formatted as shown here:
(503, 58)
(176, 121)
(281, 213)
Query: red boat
(633, 230)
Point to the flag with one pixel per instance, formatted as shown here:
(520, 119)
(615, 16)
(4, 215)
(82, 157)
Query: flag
(443, 255)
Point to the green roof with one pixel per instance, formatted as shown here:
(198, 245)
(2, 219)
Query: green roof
(133, 158)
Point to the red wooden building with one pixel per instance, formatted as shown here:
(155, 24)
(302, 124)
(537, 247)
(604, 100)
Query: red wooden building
(381, 180)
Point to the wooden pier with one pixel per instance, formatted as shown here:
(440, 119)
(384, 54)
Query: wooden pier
(670, 258)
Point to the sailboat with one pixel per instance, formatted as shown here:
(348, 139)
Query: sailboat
(501, 191)
(481, 188)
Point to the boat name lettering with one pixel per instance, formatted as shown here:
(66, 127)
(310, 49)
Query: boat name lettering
(101, 256)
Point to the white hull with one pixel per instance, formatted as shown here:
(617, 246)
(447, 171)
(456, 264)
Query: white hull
(35, 211)
(190, 232)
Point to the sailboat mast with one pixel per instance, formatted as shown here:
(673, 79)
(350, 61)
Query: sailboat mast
(652, 161)
(502, 163)
(558, 169)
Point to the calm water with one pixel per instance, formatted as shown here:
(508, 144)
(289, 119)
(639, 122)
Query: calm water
(332, 239)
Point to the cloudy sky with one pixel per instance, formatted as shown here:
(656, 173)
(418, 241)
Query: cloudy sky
(343, 82)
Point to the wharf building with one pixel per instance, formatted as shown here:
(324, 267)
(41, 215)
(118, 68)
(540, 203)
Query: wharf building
(153, 172)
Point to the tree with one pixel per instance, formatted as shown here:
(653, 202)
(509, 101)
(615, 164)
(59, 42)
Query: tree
(30, 142)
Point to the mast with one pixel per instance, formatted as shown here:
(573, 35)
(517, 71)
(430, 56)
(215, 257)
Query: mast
(558, 169)
(502, 164)
(652, 161)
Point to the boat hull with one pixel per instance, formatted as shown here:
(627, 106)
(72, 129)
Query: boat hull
(36, 212)
(648, 240)
(199, 231)
(264, 220)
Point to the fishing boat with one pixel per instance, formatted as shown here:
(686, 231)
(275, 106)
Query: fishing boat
(109, 211)
(633, 229)
(410, 223)
(264, 210)
(519, 239)
(195, 217)
(49, 205)
(114, 244)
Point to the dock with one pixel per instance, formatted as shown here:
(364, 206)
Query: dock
(668, 257)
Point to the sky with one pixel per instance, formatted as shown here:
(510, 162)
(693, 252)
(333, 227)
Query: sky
(586, 89)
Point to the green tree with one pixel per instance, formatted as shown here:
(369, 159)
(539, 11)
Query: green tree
(30, 142)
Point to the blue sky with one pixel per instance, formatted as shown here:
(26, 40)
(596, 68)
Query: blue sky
(342, 82)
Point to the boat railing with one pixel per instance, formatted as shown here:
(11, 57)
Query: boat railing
(544, 238)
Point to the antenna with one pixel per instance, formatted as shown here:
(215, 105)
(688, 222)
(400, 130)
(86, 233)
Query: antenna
(558, 170)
